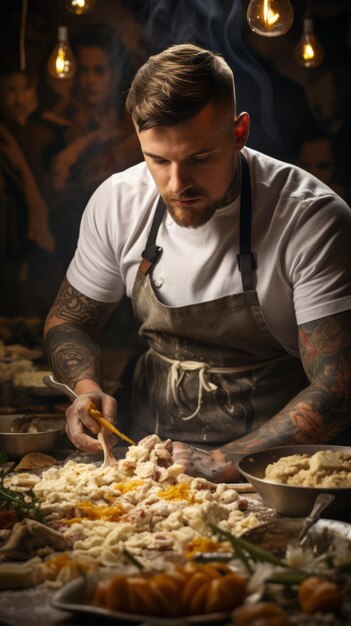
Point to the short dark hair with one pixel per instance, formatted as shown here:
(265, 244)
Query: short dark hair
(102, 36)
(176, 84)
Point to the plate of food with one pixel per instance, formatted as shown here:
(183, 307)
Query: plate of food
(165, 598)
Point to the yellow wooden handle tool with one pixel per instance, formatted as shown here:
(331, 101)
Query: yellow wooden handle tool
(96, 414)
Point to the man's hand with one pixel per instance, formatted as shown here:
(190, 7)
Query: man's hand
(209, 464)
(78, 419)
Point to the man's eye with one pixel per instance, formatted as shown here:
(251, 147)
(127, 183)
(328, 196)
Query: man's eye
(160, 161)
(201, 159)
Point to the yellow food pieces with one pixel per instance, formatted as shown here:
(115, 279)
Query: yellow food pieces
(191, 589)
(94, 512)
(201, 544)
(181, 491)
(72, 520)
(318, 594)
(129, 485)
(55, 564)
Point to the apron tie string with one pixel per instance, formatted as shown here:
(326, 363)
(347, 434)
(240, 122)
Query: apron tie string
(176, 375)
(179, 368)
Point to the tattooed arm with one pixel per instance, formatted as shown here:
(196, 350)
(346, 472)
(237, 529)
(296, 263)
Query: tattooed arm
(72, 331)
(316, 415)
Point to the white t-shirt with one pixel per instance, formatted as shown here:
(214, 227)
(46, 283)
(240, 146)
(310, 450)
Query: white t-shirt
(300, 234)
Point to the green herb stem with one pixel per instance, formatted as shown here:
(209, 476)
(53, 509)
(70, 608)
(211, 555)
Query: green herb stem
(241, 545)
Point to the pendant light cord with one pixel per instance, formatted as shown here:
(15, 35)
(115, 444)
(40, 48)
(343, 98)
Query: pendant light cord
(22, 42)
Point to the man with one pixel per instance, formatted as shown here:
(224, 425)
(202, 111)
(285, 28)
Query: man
(238, 267)
(18, 96)
(100, 139)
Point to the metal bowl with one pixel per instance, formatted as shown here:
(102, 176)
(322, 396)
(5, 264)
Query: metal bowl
(16, 445)
(287, 499)
(275, 535)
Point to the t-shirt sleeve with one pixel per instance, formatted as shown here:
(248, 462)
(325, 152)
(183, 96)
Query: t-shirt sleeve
(95, 267)
(319, 259)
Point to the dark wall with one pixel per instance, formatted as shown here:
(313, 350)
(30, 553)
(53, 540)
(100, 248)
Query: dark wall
(55, 147)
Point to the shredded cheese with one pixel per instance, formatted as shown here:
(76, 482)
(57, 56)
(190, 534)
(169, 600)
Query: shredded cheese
(177, 492)
(130, 485)
(94, 512)
(201, 544)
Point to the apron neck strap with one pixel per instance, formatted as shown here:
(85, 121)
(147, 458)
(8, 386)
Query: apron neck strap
(152, 253)
(246, 259)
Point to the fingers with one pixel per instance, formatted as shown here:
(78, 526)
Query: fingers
(78, 420)
(108, 407)
(208, 464)
(82, 441)
(78, 417)
(181, 454)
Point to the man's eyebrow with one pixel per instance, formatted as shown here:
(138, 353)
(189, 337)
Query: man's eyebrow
(194, 154)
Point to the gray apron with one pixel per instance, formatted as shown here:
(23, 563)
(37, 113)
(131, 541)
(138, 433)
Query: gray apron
(213, 371)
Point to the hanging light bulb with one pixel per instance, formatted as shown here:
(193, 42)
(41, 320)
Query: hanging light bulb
(270, 18)
(79, 7)
(62, 63)
(309, 52)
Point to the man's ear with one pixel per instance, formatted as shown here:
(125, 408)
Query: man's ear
(241, 129)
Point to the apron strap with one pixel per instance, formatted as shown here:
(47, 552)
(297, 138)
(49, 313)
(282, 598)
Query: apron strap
(246, 259)
(152, 252)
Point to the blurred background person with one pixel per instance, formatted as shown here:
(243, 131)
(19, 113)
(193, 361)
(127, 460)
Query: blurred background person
(317, 157)
(283, 98)
(100, 139)
(328, 91)
(26, 213)
(19, 97)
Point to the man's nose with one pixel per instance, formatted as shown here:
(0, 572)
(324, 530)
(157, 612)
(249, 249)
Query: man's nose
(90, 78)
(179, 179)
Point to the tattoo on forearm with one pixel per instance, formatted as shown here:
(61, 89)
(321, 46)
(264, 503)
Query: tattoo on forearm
(71, 306)
(322, 410)
(74, 325)
(73, 355)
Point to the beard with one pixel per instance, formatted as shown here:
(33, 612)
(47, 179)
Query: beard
(187, 216)
(193, 217)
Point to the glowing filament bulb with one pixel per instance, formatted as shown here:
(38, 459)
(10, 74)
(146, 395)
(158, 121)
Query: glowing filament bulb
(309, 52)
(270, 18)
(62, 63)
(79, 7)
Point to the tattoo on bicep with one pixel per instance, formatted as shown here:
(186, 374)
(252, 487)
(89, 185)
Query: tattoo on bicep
(324, 408)
(325, 345)
(72, 354)
(73, 307)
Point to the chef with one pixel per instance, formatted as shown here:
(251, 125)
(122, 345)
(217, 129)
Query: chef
(239, 271)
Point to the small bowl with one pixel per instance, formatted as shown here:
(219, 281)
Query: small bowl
(288, 499)
(17, 445)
